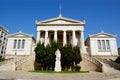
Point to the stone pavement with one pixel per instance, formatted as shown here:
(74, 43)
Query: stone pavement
(23, 75)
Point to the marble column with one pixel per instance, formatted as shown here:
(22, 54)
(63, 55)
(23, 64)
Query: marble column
(55, 35)
(64, 38)
(73, 37)
(46, 38)
(38, 36)
(82, 44)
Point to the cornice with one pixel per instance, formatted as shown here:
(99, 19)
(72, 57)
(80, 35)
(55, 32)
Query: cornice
(37, 24)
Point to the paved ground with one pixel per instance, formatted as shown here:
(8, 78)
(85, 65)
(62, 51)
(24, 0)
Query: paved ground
(23, 75)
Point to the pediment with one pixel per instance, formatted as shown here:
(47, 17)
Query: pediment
(19, 35)
(103, 35)
(60, 20)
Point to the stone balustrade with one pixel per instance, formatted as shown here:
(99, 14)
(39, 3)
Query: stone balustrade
(11, 60)
(93, 60)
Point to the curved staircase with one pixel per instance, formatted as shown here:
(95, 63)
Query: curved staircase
(25, 63)
(102, 64)
(92, 61)
(18, 63)
(7, 65)
(109, 63)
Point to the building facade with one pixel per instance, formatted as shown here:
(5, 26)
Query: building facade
(3, 41)
(102, 44)
(20, 44)
(63, 30)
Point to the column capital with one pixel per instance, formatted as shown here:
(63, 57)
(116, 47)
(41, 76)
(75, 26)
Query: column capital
(46, 30)
(38, 30)
(55, 30)
(82, 31)
(64, 30)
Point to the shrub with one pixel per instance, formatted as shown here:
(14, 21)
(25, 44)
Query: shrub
(70, 56)
(2, 59)
(77, 68)
(118, 60)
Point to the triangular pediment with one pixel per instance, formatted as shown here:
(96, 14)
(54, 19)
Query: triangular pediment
(60, 20)
(102, 35)
(19, 35)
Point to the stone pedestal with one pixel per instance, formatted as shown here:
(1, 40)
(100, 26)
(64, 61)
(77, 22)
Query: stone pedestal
(58, 61)
(57, 66)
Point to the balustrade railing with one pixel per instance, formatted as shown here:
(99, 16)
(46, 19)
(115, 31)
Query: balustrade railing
(11, 60)
(91, 59)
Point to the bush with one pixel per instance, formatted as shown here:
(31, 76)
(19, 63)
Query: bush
(118, 60)
(77, 68)
(45, 55)
(2, 59)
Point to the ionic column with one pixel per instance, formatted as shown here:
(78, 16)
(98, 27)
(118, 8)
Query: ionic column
(46, 38)
(55, 35)
(64, 38)
(38, 36)
(73, 38)
(82, 45)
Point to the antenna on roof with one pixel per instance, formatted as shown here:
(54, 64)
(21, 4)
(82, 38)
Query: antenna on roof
(102, 31)
(60, 12)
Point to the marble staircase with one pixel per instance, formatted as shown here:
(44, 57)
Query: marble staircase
(18, 63)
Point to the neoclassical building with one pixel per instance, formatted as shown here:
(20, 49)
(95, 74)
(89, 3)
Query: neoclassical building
(3, 41)
(20, 44)
(102, 44)
(62, 30)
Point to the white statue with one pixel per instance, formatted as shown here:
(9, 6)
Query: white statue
(58, 61)
(58, 55)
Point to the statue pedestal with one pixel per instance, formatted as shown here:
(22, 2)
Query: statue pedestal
(58, 61)
(57, 66)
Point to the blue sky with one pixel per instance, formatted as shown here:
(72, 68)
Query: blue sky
(100, 15)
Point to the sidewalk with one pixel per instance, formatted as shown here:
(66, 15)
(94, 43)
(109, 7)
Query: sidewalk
(23, 75)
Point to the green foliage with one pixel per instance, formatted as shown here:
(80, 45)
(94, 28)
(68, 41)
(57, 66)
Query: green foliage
(118, 60)
(62, 72)
(77, 68)
(66, 56)
(70, 56)
(46, 55)
(77, 55)
(2, 59)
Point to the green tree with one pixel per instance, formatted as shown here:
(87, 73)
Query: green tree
(77, 55)
(2, 59)
(66, 56)
(118, 60)
(50, 50)
(70, 56)
(40, 54)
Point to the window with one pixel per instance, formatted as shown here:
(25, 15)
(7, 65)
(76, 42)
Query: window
(108, 44)
(103, 45)
(19, 42)
(99, 45)
(23, 44)
(15, 43)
